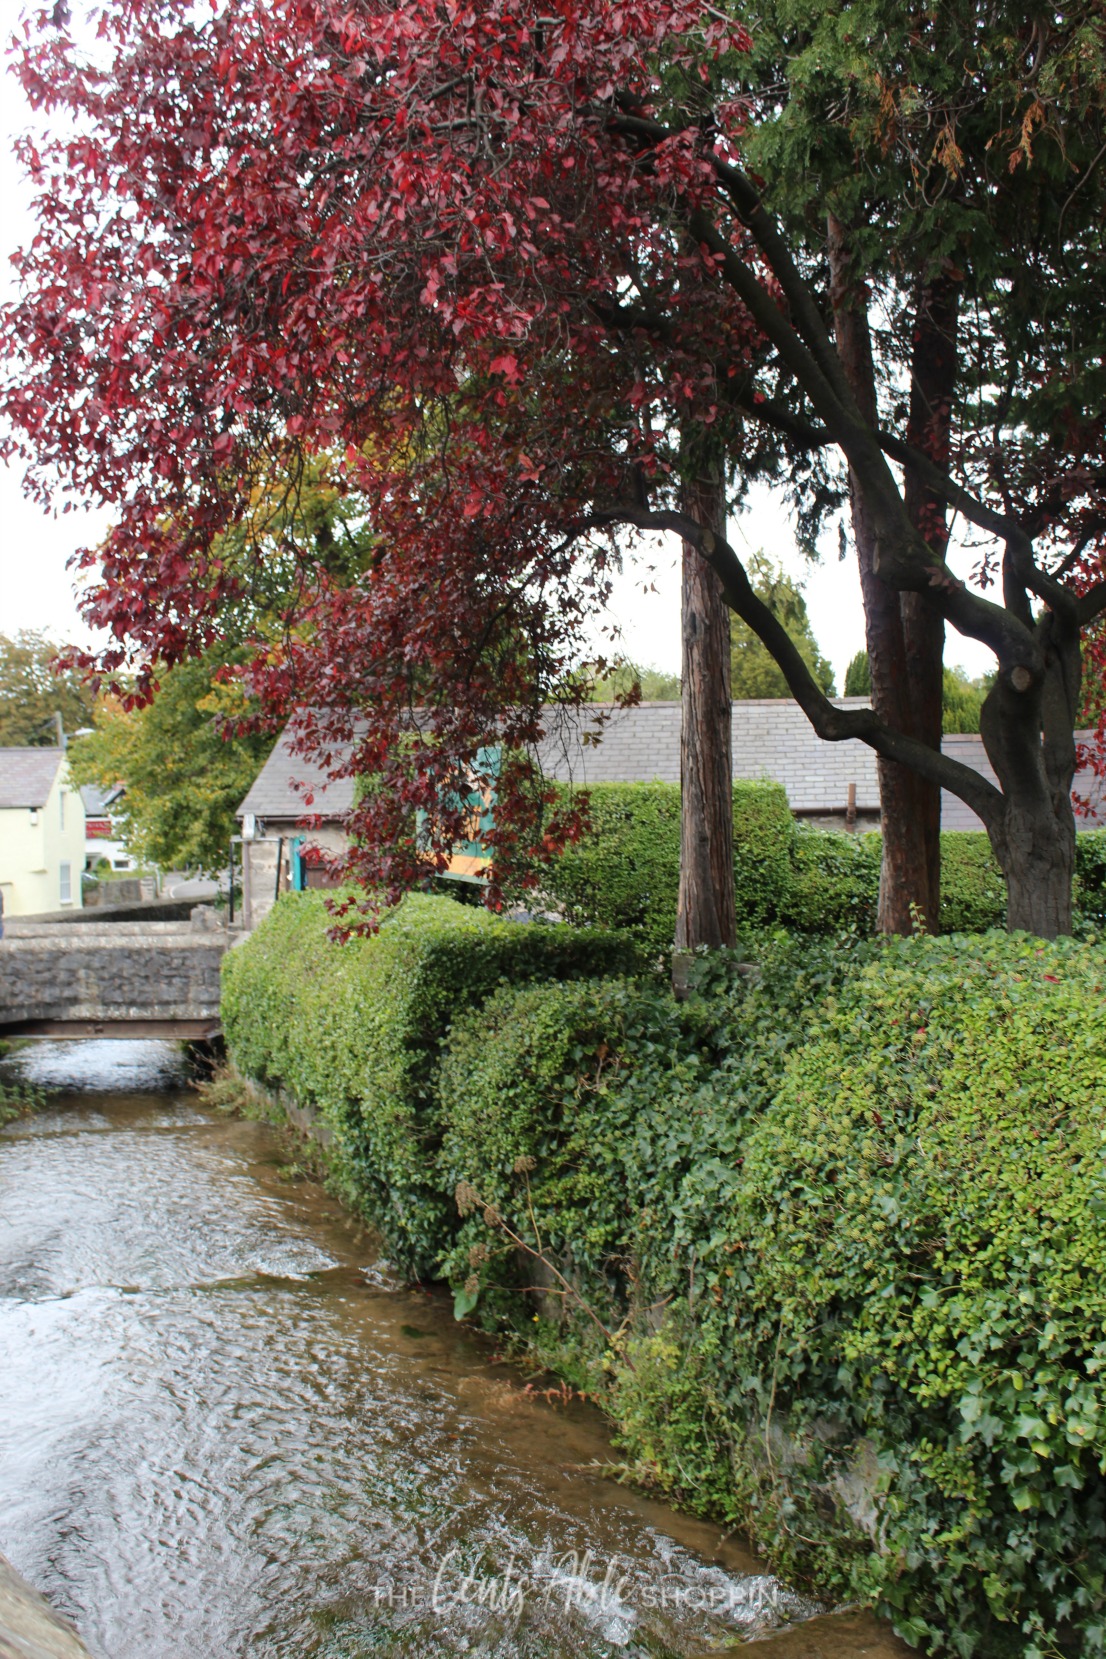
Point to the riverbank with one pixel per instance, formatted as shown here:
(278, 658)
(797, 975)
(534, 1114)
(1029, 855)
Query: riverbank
(29, 1627)
(229, 1428)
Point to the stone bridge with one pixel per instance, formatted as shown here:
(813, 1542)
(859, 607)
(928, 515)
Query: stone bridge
(138, 979)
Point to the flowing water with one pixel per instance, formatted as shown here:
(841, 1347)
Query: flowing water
(225, 1433)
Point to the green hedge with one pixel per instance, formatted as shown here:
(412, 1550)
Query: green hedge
(626, 871)
(830, 1237)
(834, 883)
(355, 1030)
(920, 1235)
(846, 1227)
(554, 1096)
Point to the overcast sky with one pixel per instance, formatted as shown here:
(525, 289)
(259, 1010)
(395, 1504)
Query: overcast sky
(36, 590)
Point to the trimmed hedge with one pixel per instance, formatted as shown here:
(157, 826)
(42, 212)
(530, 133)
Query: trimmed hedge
(829, 1238)
(834, 884)
(355, 1030)
(920, 1236)
(846, 1228)
(626, 871)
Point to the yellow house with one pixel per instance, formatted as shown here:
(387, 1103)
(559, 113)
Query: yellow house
(41, 833)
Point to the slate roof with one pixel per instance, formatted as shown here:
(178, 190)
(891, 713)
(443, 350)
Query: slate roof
(99, 802)
(274, 793)
(968, 747)
(27, 776)
(772, 738)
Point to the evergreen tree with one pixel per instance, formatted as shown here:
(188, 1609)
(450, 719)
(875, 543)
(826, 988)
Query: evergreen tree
(753, 670)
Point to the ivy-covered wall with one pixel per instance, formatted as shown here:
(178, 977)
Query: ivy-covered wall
(828, 1239)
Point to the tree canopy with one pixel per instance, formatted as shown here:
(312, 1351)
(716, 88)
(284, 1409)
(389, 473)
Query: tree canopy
(754, 672)
(626, 679)
(32, 694)
(184, 779)
(511, 264)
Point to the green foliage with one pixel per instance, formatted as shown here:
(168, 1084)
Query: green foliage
(834, 883)
(1090, 877)
(356, 1028)
(31, 693)
(962, 700)
(832, 1233)
(871, 1208)
(920, 1234)
(626, 871)
(539, 1079)
(753, 672)
(973, 892)
(654, 685)
(858, 676)
(17, 1099)
(184, 779)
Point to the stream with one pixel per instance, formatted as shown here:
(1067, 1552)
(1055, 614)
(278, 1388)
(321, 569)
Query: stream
(227, 1432)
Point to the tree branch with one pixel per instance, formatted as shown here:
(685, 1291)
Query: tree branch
(831, 723)
(904, 559)
(745, 198)
(1008, 530)
(1091, 604)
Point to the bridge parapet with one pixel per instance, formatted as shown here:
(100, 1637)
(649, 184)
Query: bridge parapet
(141, 980)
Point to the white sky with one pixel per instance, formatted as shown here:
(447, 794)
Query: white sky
(36, 590)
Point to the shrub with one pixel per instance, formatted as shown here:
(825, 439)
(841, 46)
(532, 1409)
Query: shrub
(834, 884)
(552, 1094)
(355, 1031)
(973, 892)
(626, 872)
(921, 1239)
(834, 1231)
(1090, 877)
(845, 1224)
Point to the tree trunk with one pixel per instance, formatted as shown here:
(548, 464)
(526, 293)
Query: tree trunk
(905, 634)
(1037, 854)
(707, 914)
(932, 386)
(1030, 741)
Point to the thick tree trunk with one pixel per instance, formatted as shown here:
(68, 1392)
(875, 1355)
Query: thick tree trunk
(905, 634)
(1037, 854)
(932, 386)
(707, 914)
(1030, 741)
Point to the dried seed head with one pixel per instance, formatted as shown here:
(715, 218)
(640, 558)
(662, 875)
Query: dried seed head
(466, 1197)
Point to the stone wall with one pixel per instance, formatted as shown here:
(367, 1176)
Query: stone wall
(260, 863)
(29, 1627)
(134, 971)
